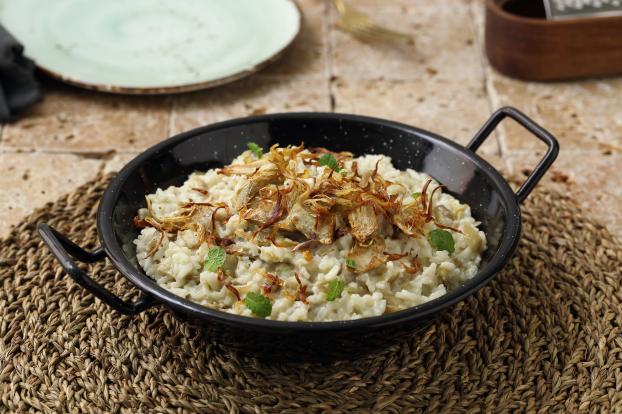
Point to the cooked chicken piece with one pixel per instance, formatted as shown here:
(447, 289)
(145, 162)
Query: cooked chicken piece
(325, 228)
(292, 194)
(260, 213)
(299, 219)
(319, 204)
(363, 222)
(243, 169)
(367, 257)
(410, 219)
(244, 191)
(302, 220)
(248, 188)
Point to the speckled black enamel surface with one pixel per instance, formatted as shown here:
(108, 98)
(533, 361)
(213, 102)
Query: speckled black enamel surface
(466, 176)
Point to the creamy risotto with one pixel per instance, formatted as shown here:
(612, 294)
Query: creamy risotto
(306, 234)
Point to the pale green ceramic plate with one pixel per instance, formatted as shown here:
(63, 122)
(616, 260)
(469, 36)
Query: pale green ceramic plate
(151, 46)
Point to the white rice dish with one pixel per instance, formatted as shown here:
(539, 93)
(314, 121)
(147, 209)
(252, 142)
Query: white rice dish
(407, 272)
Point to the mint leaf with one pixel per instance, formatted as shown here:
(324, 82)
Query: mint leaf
(255, 149)
(335, 287)
(215, 259)
(416, 195)
(258, 304)
(328, 160)
(351, 263)
(441, 240)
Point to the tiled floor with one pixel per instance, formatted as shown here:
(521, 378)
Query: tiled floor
(441, 82)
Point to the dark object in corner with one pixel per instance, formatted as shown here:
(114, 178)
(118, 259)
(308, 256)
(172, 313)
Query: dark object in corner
(18, 87)
(521, 43)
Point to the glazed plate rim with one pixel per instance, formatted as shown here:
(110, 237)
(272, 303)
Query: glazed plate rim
(180, 87)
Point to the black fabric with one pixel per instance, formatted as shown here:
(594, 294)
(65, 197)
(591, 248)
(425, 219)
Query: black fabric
(18, 86)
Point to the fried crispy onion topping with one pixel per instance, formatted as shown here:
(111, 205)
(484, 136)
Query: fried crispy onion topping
(286, 205)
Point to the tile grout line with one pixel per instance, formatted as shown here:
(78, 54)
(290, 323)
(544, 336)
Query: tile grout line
(171, 117)
(491, 95)
(100, 155)
(479, 42)
(329, 55)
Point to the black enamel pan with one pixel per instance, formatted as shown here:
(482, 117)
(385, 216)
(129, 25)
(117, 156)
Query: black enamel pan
(466, 175)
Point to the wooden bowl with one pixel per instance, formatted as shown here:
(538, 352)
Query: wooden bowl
(521, 43)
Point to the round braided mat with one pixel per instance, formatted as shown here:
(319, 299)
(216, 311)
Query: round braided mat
(545, 335)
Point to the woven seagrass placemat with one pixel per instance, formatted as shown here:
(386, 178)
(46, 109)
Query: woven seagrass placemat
(545, 335)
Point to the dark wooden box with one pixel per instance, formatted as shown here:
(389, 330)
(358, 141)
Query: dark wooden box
(521, 43)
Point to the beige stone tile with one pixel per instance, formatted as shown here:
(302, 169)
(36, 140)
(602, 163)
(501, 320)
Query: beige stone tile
(452, 109)
(443, 45)
(582, 115)
(74, 120)
(313, 6)
(498, 162)
(372, 7)
(118, 161)
(477, 9)
(30, 180)
(248, 97)
(589, 177)
(308, 55)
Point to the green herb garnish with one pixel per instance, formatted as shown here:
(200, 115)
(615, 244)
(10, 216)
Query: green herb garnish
(215, 259)
(258, 304)
(351, 263)
(441, 240)
(416, 195)
(335, 287)
(328, 160)
(255, 149)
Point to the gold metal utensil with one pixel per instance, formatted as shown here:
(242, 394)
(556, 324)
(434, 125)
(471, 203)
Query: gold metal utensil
(363, 27)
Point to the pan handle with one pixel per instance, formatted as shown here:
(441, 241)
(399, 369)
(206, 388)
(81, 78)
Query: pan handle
(527, 123)
(65, 251)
